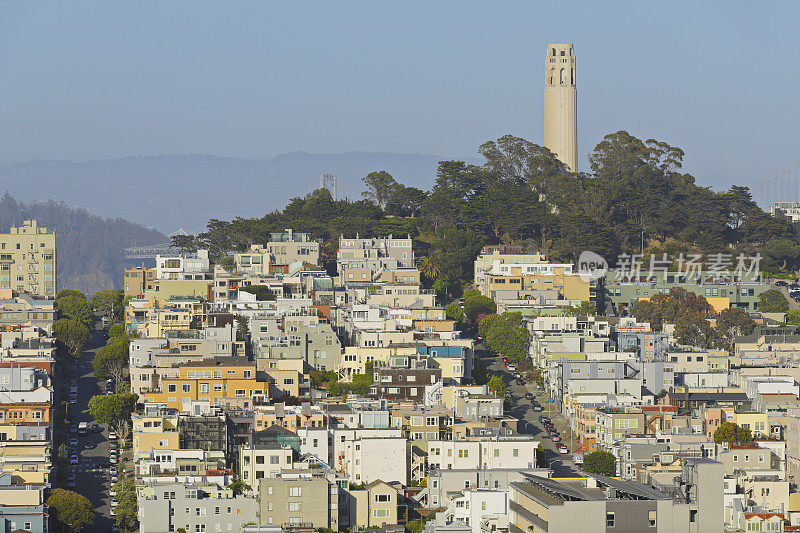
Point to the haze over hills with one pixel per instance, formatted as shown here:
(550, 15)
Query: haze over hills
(89, 248)
(169, 191)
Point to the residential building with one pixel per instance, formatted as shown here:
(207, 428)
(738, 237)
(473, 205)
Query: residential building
(216, 382)
(722, 290)
(28, 260)
(299, 497)
(193, 507)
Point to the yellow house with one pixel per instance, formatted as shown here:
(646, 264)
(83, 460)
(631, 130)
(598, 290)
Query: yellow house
(211, 380)
(286, 376)
(355, 358)
(155, 431)
(570, 286)
(757, 423)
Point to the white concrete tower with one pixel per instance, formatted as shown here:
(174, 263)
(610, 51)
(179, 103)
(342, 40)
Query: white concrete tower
(561, 104)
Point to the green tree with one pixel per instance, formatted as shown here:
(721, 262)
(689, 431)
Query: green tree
(498, 386)
(693, 330)
(508, 335)
(238, 487)
(228, 263)
(732, 434)
(115, 330)
(453, 311)
(127, 512)
(427, 268)
(732, 322)
(184, 243)
(772, 301)
(380, 187)
(405, 201)
(108, 302)
(262, 292)
(476, 305)
(112, 360)
(114, 410)
(599, 462)
(74, 511)
(793, 317)
(670, 308)
(242, 327)
(362, 382)
(73, 305)
(72, 334)
(541, 456)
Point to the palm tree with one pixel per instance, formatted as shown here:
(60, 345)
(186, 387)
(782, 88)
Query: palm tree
(427, 268)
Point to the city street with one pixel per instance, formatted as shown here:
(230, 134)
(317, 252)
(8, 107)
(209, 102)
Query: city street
(91, 481)
(529, 423)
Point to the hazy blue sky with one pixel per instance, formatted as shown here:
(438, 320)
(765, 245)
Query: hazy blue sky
(91, 80)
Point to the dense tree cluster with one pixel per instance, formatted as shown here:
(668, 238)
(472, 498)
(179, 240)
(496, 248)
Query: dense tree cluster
(635, 192)
(690, 313)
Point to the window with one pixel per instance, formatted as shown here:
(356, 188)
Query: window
(294, 506)
(515, 452)
(217, 388)
(651, 519)
(383, 498)
(259, 459)
(204, 387)
(186, 387)
(610, 520)
(246, 374)
(296, 491)
(172, 388)
(380, 513)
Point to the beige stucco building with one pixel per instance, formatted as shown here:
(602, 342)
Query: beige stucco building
(28, 260)
(561, 104)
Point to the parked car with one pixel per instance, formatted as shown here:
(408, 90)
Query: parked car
(71, 481)
(781, 283)
(538, 408)
(555, 438)
(90, 445)
(578, 459)
(112, 492)
(73, 459)
(112, 435)
(544, 419)
(563, 450)
(96, 428)
(113, 459)
(73, 441)
(529, 396)
(73, 428)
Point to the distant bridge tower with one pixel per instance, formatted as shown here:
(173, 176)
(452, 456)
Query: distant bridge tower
(329, 181)
(561, 104)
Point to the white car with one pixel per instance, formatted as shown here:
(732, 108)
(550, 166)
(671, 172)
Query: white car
(578, 459)
(112, 435)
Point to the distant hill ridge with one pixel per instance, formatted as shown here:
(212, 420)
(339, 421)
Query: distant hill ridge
(169, 191)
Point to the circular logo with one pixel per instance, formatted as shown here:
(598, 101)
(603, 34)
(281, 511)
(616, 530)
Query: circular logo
(591, 266)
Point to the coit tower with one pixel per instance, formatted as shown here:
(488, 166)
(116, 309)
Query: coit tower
(561, 104)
